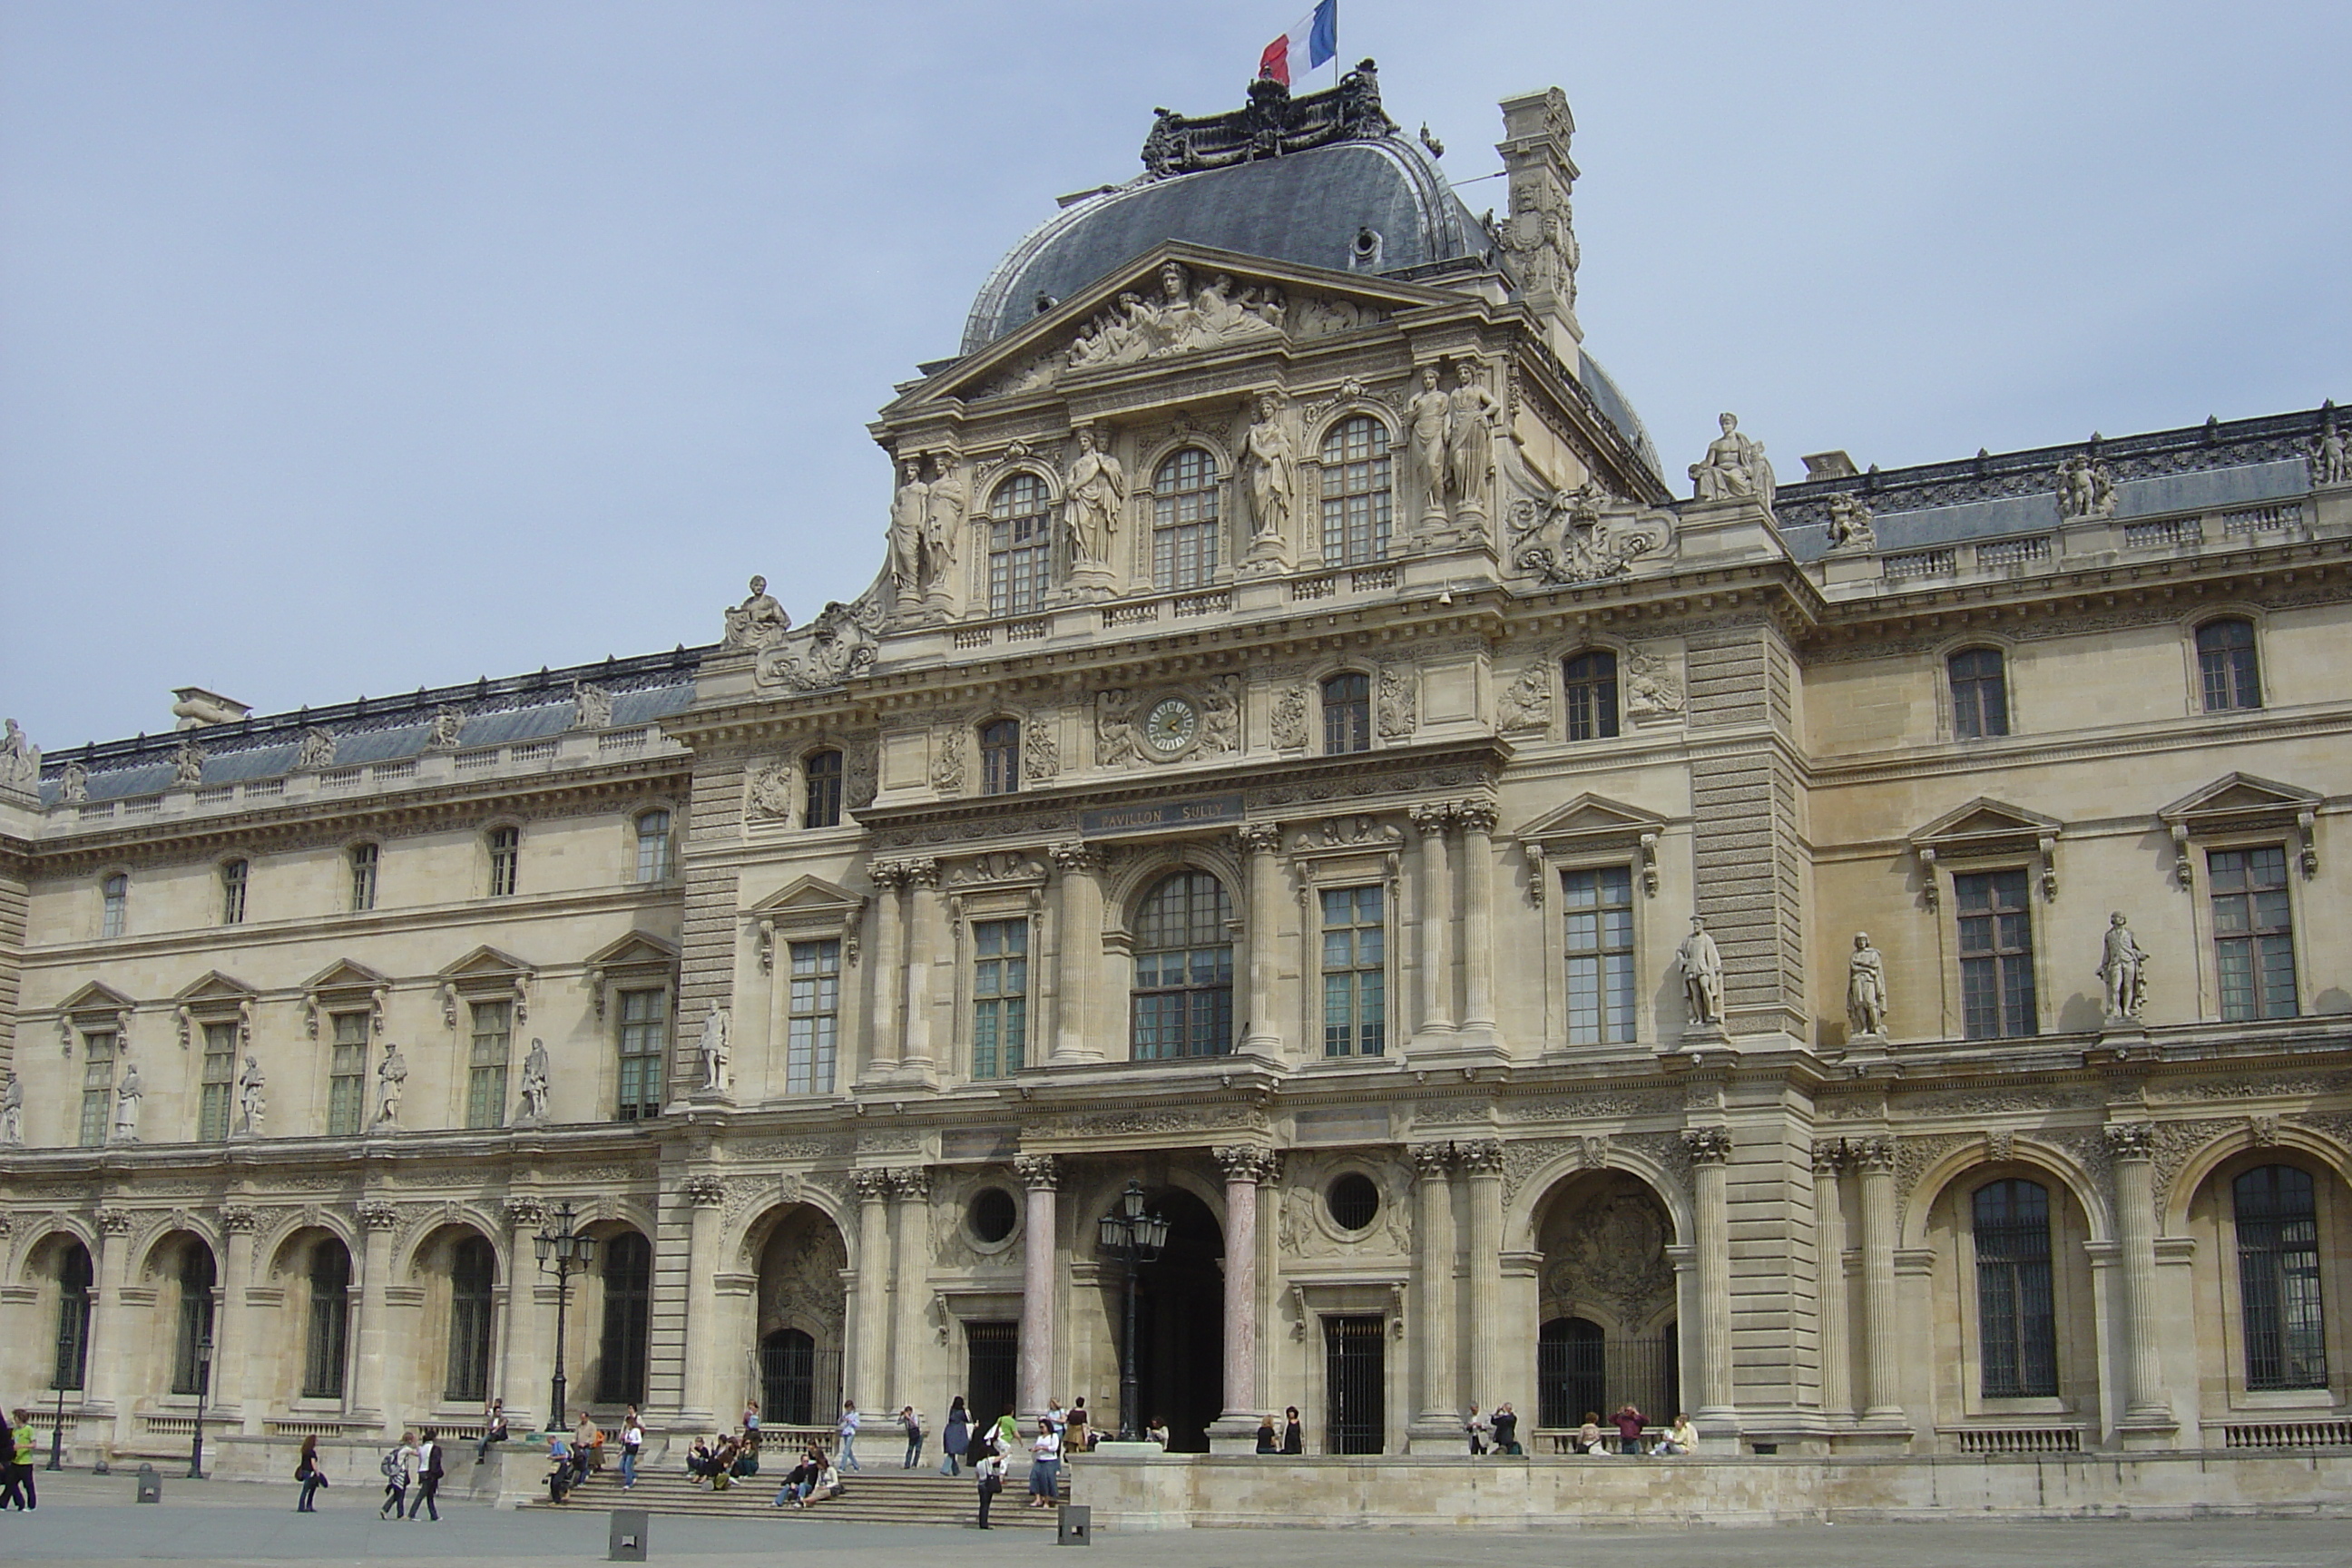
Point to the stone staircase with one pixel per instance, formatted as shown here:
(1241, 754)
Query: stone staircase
(877, 1495)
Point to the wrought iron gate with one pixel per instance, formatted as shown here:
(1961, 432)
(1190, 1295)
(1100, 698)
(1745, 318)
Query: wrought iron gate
(993, 1373)
(1579, 1371)
(788, 1378)
(1355, 1363)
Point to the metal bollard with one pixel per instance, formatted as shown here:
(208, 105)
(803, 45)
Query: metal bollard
(626, 1543)
(1078, 1525)
(150, 1485)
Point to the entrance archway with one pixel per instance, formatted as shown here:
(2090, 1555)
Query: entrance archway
(1180, 1331)
(1608, 1303)
(801, 1312)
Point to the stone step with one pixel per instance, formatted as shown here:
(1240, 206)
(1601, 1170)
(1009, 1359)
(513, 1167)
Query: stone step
(869, 1497)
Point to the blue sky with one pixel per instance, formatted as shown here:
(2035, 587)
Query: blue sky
(346, 348)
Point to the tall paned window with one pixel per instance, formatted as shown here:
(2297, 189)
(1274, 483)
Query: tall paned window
(1598, 906)
(1347, 713)
(114, 906)
(473, 1272)
(1591, 691)
(1000, 997)
(190, 1353)
(1184, 969)
(1000, 757)
(2017, 1325)
(1996, 932)
(347, 1070)
(75, 1277)
(629, 1313)
(823, 807)
(1020, 541)
(485, 1064)
(217, 1087)
(645, 1031)
(232, 889)
(331, 1318)
(1184, 520)
(2254, 932)
(2226, 668)
(363, 862)
(2277, 1220)
(1979, 694)
(505, 861)
(97, 1086)
(1356, 493)
(1355, 972)
(653, 846)
(813, 1032)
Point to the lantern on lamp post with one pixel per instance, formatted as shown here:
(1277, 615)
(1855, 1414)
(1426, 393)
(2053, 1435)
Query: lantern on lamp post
(1135, 1238)
(562, 1251)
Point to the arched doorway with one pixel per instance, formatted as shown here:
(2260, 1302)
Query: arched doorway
(1179, 1327)
(1609, 1334)
(799, 1315)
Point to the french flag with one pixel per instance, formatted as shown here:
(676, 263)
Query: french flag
(1313, 42)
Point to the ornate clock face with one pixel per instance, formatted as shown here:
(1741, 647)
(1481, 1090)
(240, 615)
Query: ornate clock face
(1170, 726)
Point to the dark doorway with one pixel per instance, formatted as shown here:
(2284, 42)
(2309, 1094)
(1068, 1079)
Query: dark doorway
(1355, 1364)
(1581, 1371)
(993, 1371)
(1180, 1330)
(788, 1377)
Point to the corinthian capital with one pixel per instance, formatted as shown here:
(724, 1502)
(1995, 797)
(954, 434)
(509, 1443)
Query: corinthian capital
(1040, 1171)
(1248, 1162)
(2130, 1140)
(1708, 1145)
(1476, 816)
(705, 1191)
(872, 1186)
(1259, 837)
(911, 1183)
(376, 1215)
(1076, 858)
(1480, 1157)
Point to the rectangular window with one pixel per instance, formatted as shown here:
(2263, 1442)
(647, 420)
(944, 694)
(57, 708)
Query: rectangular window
(1356, 496)
(814, 1026)
(653, 846)
(1017, 549)
(232, 879)
(2254, 932)
(115, 896)
(506, 856)
(2016, 1321)
(1184, 556)
(485, 1064)
(347, 1074)
(97, 1086)
(2279, 1292)
(1996, 933)
(1355, 972)
(1600, 920)
(645, 1031)
(1000, 997)
(218, 1089)
(363, 858)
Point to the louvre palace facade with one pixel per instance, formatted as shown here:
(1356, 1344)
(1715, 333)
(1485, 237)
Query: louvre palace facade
(1865, 959)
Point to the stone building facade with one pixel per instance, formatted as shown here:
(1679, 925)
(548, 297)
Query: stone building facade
(1862, 960)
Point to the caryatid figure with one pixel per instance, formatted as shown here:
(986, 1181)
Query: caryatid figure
(1429, 418)
(1271, 465)
(1470, 439)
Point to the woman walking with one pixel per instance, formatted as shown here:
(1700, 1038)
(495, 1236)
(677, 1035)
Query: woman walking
(428, 1475)
(307, 1471)
(989, 1471)
(399, 1469)
(955, 1437)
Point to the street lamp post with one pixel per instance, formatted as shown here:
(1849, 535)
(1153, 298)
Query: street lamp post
(562, 1251)
(57, 1433)
(204, 1388)
(1135, 1238)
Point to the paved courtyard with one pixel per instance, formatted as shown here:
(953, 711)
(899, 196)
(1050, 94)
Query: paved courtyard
(92, 1521)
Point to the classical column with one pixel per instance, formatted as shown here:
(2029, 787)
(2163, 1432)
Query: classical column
(379, 1218)
(108, 1359)
(1710, 1156)
(1245, 1166)
(889, 878)
(1882, 1378)
(1481, 1163)
(912, 1185)
(870, 1311)
(698, 1401)
(1478, 819)
(1829, 1262)
(1079, 931)
(922, 944)
(1259, 841)
(1436, 910)
(1041, 1175)
(2131, 1145)
(1439, 1423)
(523, 1352)
(232, 1337)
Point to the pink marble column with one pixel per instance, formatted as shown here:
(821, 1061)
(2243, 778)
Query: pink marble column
(1247, 1165)
(1259, 841)
(1041, 1175)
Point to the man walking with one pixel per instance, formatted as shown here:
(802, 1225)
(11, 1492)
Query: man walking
(847, 1458)
(428, 1475)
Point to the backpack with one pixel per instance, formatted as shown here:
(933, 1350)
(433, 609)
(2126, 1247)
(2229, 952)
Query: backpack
(392, 1467)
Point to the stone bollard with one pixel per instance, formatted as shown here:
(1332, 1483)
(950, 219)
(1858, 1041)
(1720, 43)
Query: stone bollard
(626, 1540)
(150, 1485)
(1078, 1526)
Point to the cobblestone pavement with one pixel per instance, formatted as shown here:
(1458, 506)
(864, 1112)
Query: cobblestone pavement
(91, 1520)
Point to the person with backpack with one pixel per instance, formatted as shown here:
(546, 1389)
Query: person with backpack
(399, 1469)
(17, 1451)
(988, 1471)
(633, 1442)
(428, 1475)
(559, 1470)
(307, 1471)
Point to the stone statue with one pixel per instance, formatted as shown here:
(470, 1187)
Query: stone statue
(534, 1083)
(188, 765)
(1470, 439)
(1702, 968)
(1865, 988)
(127, 1095)
(1851, 524)
(1733, 466)
(12, 1111)
(2123, 967)
(448, 728)
(196, 707)
(391, 1083)
(317, 750)
(2084, 488)
(1270, 467)
(1095, 492)
(1180, 319)
(2329, 465)
(758, 622)
(249, 1102)
(1429, 419)
(20, 761)
(908, 504)
(73, 784)
(713, 1047)
(943, 510)
(592, 706)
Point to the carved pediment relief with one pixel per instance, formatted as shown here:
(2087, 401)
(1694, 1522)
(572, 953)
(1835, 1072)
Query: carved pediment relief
(217, 989)
(2240, 803)
(837, 647)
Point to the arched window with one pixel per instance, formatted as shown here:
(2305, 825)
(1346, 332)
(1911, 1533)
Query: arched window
(505, 845)
(330, 1316)
(232, 883)
(1184, 519)
(1184, 969)
(363, 863)
(1000, 756)
(653, 846)
(75, 1277)
(2226, 667)
(2277, 1217)
(788, 1377)
(1592, 686)
(191, 1353)
(473, 1273)
(1356, 491)
(628, 1310)
(823, 807)
(1980, 693)
(1347, 713)
(114, 904)
(1020, 542)
(2017, 1324)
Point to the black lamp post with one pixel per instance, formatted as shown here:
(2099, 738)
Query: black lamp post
(204, 1388)
(57, 1433)
(1135, 1238)
(562, 1251)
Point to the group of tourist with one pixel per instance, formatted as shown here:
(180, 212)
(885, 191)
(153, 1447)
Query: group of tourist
(1679, 1439)
(17, 1446)
(721, 1459)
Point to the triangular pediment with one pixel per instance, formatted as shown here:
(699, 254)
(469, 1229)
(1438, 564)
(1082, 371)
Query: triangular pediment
(1269, 304)
(636, 949)
(96, 997)
(487, 964)
(1589, 817)
(2239, 798)
(1986, 825)
(216, 987)
(808, 896)
(343, 974)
